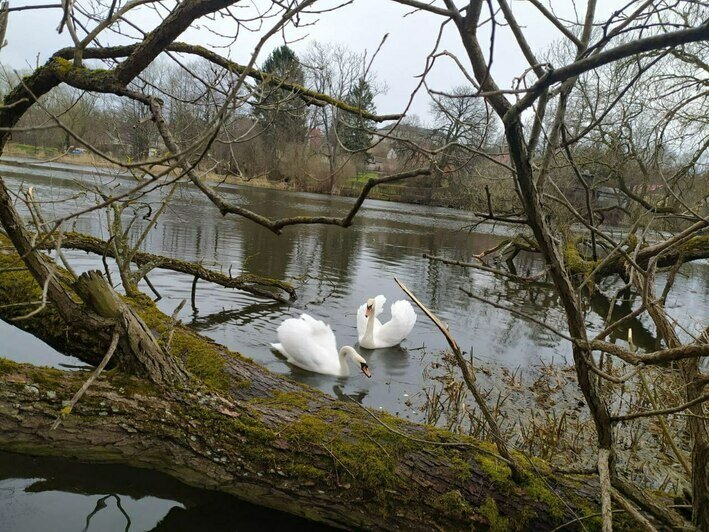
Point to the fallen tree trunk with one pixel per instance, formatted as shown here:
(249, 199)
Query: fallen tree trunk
(695, 248)
(243, 430)
(294, 450)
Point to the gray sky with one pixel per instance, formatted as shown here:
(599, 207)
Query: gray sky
(360, 26)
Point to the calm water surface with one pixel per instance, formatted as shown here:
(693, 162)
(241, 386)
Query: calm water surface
(49, 494)
(335, 271)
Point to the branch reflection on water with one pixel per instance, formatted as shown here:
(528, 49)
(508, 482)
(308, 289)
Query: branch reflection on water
(45, 493)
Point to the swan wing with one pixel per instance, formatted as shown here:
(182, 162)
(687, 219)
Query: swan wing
(309, 344)
(361, 320)
(393, 332)
(321, 333)
(379, 303)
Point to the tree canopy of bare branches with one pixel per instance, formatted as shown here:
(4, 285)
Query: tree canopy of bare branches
(610, 127)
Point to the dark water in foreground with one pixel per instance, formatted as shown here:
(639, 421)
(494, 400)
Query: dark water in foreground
(335, 271)
(48, 494)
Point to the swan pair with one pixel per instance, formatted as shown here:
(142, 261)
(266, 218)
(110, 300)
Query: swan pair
(310, 344)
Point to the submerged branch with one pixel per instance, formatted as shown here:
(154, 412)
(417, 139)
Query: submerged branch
(253, 284)
(485, 268)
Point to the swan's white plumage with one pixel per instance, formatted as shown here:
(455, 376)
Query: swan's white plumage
(403, 319)
(310, 344)
(379, 302)
(391, 333)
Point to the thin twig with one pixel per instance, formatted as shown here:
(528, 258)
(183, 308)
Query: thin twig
(43, 305)
(665, 411)
(579, 519)
(173, 322)
(428, 442)
(107, 357)
(469, 378)
(628, 507)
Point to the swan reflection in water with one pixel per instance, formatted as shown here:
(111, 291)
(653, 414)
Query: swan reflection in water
(357, 397)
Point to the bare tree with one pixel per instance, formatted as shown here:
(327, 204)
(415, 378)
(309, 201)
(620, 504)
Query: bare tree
(335, 70)
(551, 92)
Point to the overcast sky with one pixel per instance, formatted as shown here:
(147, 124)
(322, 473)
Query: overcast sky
(32, 37)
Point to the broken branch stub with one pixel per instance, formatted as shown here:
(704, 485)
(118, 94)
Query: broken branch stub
(139, 351)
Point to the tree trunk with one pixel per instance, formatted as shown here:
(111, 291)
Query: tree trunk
(292, 449)
(141, 353)
(695, 248)
(268, 440)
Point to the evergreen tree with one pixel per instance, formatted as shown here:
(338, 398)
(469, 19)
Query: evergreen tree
(355, 128)
(283, 62)
(281, 112)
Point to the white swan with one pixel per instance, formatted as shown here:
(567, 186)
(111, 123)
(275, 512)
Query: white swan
(372, 334)
(310, 344)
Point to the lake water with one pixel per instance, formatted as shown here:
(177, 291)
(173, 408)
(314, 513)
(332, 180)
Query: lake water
(335, 270)
(49, 494)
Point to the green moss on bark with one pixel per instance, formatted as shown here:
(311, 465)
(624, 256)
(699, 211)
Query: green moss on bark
(453, 503)
(491, 513)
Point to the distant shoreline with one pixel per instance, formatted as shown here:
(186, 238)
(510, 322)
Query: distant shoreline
(89, 160)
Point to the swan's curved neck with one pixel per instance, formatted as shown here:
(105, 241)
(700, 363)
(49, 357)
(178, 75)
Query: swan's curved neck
(344, 367)
(369, 331)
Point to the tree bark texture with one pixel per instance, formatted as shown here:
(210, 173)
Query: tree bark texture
(293, 450)
(695, 248)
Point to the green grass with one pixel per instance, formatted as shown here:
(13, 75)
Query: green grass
(361, 178)
(28, 149)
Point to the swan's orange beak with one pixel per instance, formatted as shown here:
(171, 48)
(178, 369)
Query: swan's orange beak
(368, 311)
(365, 370)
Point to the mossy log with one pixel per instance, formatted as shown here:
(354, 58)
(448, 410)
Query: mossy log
(695, 248)
(237, 428)
(292, 449)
